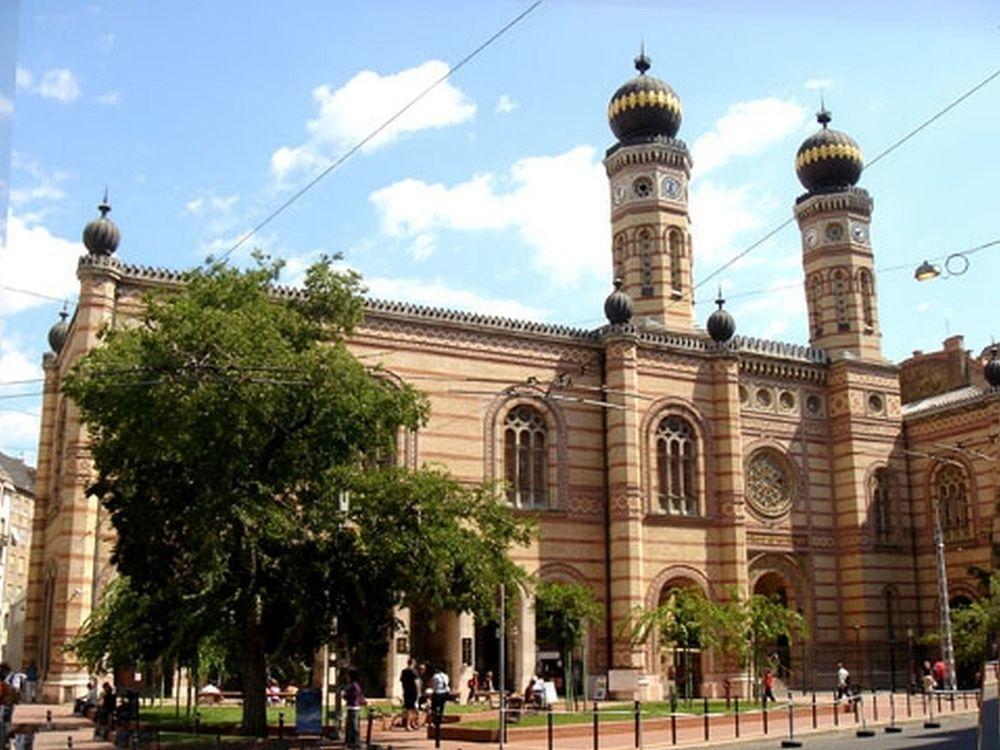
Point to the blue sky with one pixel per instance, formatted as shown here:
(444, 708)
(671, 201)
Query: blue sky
(201, 117)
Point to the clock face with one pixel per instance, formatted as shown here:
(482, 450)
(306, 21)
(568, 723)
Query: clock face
(834, 231)
(620, 194)
(859, 232)
(812, 237)
(670, 187)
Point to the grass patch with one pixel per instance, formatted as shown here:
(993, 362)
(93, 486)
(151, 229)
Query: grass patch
(212, 717)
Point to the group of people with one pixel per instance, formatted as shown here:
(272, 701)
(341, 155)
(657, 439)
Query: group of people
(480, 685)
(932, 677)
(104, 703)
(425, 691)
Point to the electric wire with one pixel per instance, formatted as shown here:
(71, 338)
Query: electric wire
(30, 293)
(360, 144)
(881, 155)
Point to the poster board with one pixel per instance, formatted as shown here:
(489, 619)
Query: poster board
(308, 711)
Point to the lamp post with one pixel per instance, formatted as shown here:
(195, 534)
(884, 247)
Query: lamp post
(909, 657)
(944, 607)
(857, 653)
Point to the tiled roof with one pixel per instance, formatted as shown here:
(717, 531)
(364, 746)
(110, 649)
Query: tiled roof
(958, 397)
(22, 475)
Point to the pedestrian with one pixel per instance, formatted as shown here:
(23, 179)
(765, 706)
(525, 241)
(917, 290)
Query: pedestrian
(473, 685)
(939, 674)
(105, 715)
(769, 686)
(410, 681)
(843, 681)
(31, 683)
(8, 697)
(354, 697)
(441, 693)
(927, 677)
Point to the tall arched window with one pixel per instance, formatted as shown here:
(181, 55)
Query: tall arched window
(526, 458)
(867, 289)
(676, 253)
(645, 239)
(676, 467)
(881, 505)
(815, 305)
(840, 290)
(618, 256)
(951, 491)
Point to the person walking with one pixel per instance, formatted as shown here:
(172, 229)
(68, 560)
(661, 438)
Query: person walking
(354, 697)
(410, 681)
(31, 683)
(843, 681)
(769, 687)
(441, 693)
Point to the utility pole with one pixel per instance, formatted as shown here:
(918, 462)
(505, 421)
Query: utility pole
(944, 612)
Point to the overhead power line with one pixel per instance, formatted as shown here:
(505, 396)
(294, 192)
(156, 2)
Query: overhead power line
(367, 139)
(40, 295)
(881, 155)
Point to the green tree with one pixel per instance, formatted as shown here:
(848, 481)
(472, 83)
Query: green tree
(232, 434)
(562, 612)
(974, 626)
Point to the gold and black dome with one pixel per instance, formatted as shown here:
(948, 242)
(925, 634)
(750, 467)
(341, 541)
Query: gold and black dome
(828, 160)
(644, 107)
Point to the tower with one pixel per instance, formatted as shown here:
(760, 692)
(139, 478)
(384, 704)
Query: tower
(648, 171)
(834, 218)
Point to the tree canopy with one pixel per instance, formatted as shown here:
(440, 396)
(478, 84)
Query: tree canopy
(234, 438)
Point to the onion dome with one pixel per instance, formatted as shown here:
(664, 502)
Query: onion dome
(992, 369)
(828, 160)
(721, 325)
(618, 305)
(58, 333)
(101, 236)
(644, 107)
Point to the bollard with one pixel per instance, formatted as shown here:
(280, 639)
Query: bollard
(860, 711)
(437, 731)
(218, 741)
(48, 718)
(197, 721)
(874, 706)
(704, 714)
(597, 731)
(836, 711)
(548, 726)
(281, 724)
(909, 706)
(892, 728)
(368, 732)
(939, 703)
(815, 717)
(765, 716)
(69, 743)
(951, 699)
(638, 725)
(791, 741)
(673, 729)
(965, 700)
(929, 705)
(737, 704)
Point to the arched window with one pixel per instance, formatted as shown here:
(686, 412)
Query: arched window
(951, 491)
(676, 467)
(840, 289)
(525, 458)
(645, 238)
(815, 305)
(676, 253)
(881, 505)
(867, 301)
(618, 257)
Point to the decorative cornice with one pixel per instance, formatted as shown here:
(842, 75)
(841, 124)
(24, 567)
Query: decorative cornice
(852, 199)
(670, 152)
(936, 405)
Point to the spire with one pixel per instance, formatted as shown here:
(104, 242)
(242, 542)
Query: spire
(824, 116)
(642, 62)
(105, 207)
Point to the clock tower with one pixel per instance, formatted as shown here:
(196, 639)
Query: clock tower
(648, 171)
(834, 218)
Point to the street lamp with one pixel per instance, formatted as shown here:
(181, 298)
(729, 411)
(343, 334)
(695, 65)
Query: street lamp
(944, 610)
(909, 656)
(857, 653)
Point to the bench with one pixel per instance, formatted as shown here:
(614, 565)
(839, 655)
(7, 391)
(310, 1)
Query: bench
(489, 697)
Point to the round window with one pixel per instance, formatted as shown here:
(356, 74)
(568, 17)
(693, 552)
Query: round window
(770, 484)
(642, 187)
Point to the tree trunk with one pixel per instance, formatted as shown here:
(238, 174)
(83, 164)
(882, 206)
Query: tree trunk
(254, 680)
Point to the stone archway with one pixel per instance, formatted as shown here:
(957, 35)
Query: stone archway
(781, 577)
(681, 664)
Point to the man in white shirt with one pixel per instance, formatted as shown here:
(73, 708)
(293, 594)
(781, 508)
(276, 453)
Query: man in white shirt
(843, 681)
(441, 692)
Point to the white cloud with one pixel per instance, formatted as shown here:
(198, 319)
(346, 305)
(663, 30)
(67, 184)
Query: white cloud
(770, 315)
(423, 246)
(109, 98)
(19, 433)
(818, 84)
(746, 129)
(439, 294)
(107, 41)
(557, 204)
(719, 215)
(24, 79)
(6, 108)
(210, 202)
(350, 113)
(58, 83)
(505, 105)
(36, 260)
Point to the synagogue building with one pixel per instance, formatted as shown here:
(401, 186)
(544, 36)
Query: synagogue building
(656, 452)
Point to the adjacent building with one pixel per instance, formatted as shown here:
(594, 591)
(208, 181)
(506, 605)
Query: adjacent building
(17, 490)
(654, 453)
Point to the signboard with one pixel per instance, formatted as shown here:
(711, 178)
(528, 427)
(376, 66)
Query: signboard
(308, 711)
(600, 689)
(623, 680)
